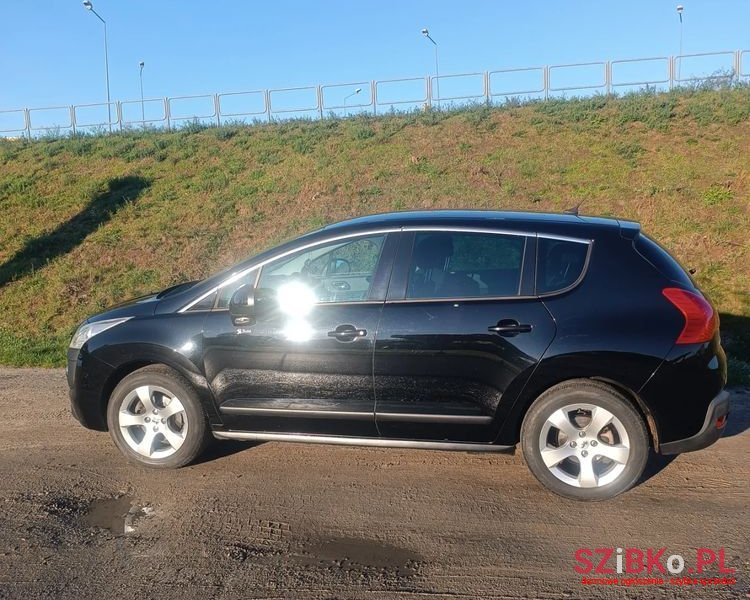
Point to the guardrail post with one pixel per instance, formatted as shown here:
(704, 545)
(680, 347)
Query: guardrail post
(608, 77)
(737, 65)
(73, 118)
(671, 72)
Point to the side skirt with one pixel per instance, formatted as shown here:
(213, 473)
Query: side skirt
(353, 441)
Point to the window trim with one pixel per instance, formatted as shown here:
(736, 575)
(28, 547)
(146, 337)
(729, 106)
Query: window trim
(240, 274)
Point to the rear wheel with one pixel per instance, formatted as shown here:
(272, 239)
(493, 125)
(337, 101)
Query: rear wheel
(155, 418)
(583, 439)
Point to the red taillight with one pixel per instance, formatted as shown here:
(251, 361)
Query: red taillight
(700, 318)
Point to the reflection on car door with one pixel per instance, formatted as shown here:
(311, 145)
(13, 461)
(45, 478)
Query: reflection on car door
(460, 326)
(308, 371)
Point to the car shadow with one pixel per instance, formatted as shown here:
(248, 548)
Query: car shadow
(223, 448)
(40, 250)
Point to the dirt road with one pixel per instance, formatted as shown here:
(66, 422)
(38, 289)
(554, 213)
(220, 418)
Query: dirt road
(300, 521)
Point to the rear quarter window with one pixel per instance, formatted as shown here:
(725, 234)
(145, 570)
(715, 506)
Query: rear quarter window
(662, 260)
(560, 264)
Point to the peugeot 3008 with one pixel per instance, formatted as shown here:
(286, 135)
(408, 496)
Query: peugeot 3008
(578, 337)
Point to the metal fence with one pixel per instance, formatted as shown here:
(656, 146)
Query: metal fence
(378, 96)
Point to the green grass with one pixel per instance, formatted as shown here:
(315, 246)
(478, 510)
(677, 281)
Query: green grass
(90, 221)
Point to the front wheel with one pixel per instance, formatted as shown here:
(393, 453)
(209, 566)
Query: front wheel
(155, 418)
(584, 440)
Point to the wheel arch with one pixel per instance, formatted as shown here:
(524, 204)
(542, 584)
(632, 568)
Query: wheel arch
(198, 382)
(556, 371)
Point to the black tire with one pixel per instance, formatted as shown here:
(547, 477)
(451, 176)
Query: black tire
(561, 478)
(197, 432)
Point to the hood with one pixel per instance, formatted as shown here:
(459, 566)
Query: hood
(143, 306)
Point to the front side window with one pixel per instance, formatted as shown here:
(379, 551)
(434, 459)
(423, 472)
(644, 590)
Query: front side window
(465, 265)
(340, 271)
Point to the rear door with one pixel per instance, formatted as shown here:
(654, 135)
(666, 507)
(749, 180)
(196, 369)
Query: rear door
(460, 332)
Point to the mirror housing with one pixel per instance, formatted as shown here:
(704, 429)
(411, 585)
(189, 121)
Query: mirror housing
(242, 305)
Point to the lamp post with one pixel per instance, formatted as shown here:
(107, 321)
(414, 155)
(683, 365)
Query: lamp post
(680, 8)
(90, 7)
(426, 33)
(143, 110)
(354, 93)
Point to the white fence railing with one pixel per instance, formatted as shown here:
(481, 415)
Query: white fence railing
(378, 96)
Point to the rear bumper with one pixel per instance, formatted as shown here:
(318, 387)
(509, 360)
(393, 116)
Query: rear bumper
(713, 427)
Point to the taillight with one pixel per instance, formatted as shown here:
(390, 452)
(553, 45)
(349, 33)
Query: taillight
(700, 317)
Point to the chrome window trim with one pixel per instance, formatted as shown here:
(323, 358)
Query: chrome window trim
(232, 278)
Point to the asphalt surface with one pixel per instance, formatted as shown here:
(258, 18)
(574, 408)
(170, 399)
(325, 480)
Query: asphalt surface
(301, 521)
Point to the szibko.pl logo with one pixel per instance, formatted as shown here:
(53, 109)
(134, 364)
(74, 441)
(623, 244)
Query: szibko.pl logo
(652, 566)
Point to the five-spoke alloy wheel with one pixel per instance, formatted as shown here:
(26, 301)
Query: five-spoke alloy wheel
(583, 439)
(156, 419)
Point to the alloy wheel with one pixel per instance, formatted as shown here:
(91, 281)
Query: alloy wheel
(584, 445)
(153, 421)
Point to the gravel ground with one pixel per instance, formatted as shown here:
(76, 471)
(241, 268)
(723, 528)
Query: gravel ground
(302, 521)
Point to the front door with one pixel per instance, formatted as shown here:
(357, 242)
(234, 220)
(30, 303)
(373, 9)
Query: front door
(458, 332)
(305, 365)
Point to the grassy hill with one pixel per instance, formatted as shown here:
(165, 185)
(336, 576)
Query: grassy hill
(89, 221)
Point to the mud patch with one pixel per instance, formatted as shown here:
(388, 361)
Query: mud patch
(64, 508)
(241, 552)
(108, 513)
(362, 554)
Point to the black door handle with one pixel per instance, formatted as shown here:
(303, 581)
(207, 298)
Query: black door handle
(347, 333)
(509, 328)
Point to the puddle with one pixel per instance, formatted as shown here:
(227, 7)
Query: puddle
(109, 513)
(353, 553)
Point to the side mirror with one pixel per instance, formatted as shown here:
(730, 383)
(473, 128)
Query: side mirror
(242, 305)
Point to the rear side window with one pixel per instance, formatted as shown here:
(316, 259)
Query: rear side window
(560, 264)
(661, 260)
(465, 265)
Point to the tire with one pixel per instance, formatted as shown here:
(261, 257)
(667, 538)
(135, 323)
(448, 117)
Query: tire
(584, 440)
(146, 424)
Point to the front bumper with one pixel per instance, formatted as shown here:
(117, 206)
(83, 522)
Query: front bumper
(87, 378)
(713, 427)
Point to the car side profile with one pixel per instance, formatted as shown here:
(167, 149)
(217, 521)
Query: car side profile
(578, 337)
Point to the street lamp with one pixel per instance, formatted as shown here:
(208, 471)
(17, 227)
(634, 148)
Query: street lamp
(426, 33)
(143, 110)
(354, 93)
(680, 8)
(90, 7)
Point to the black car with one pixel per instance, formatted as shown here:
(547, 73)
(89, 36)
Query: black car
(580, 337)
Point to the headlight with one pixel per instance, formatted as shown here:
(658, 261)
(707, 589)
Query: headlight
(89, 330)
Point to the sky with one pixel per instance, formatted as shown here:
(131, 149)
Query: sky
(51, 51)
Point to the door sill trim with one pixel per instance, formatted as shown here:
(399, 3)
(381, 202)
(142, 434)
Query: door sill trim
(434, 418)
(356, 441)
(297, 412)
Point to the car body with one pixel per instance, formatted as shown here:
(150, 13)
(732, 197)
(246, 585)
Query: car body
(434, 329)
